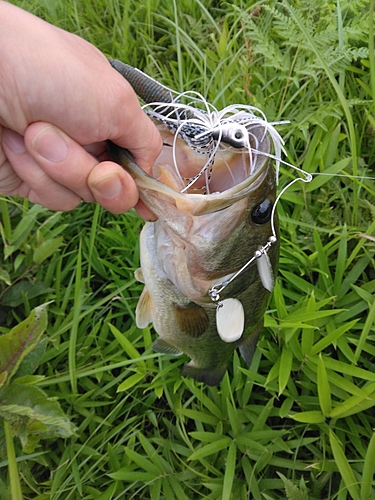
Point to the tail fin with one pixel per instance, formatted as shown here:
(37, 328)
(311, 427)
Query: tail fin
(210, 375)
(248, 346)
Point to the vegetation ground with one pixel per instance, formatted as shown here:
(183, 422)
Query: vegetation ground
(299, 423)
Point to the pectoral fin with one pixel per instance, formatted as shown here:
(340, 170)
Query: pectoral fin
(138, 275)
(143, 312)
(248, 346)
(163, 347)
(192, 320)
(210, 376)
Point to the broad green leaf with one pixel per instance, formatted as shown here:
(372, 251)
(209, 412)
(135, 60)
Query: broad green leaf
(131, 381)
(285, 368)
(250, 441)
(132, 476)
(307, 336)
(46, 249)
(273, 373)
(319, 180)
(3, 378)
(22, 339)
(344, 468)
(229, 474)
(331, 337)
(200, 416)
(341, 261)
(204, 399)
(17, 293)
(108, 494)
(279, 300)
(368, 471)
(211, 448)
(4, 276)
(32, 415)
(125, 343)
(153, 455)
(177, 488)
(233, 418)
(309, 417)
(368, 326)
(353, 275)
(366, 295)
(24, 227)
(299, 283)
(205, 437)
(250, 477)
(345, 384)
(355, 404)
(305, 316)
(143, 462)
(28, 379)
(322, 259)
(324, 390)
(264, 414)
(346, 369)
(155, 490)
(32, 360)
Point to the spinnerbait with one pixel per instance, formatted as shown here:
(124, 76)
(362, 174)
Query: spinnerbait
(183, 120)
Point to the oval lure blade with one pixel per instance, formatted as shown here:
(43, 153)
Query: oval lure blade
(265, 272)
(230, 320)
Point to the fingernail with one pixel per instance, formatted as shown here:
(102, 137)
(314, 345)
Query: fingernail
(109, 187)
(49, 144)
(14, 141)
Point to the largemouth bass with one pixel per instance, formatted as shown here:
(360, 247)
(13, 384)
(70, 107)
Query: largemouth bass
(204, 292)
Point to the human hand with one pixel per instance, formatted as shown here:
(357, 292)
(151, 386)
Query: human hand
(60, 100)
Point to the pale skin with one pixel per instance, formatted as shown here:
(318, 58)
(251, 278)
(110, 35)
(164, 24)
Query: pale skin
(60, 100)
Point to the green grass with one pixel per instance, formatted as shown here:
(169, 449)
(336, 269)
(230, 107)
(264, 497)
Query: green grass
(299, 423)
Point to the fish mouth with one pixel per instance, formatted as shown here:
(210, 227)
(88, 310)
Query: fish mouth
(193, 182)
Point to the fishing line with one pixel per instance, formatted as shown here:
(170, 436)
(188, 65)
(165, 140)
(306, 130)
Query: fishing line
(215, 291)
(348, 176)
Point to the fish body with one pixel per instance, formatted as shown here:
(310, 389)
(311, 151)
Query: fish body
(198, 244)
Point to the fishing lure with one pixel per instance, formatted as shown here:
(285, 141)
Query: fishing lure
(204, 130)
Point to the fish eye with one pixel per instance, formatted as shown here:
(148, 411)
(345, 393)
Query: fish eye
(262, 212)
(238, 134)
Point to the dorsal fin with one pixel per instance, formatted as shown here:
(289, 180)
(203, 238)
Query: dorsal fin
(192, 320)
(143, 312)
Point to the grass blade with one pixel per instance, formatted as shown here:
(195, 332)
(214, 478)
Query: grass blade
(78, 291)
(368, 471)
(368, 326)
(230, 468)
(343, 465)
(15, 484)
(210, 449)
(324, 390)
